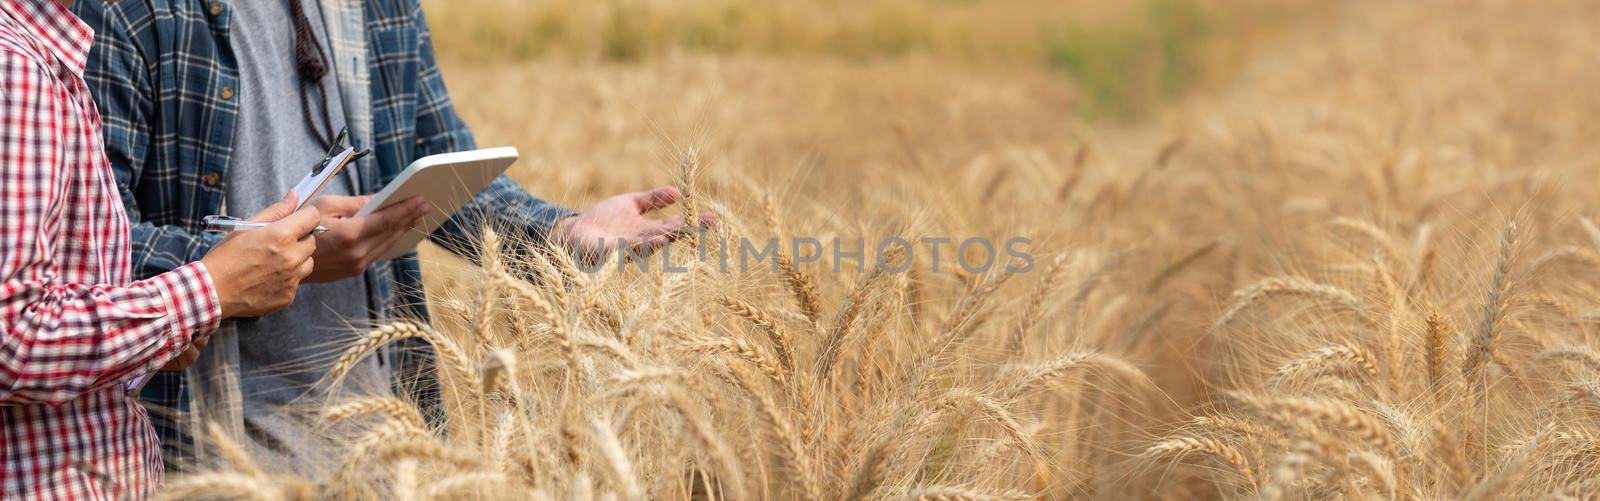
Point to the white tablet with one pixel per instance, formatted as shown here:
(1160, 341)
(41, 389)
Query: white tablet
(447, 181)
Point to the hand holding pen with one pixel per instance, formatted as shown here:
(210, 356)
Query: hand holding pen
(252, 273)
(256, 272)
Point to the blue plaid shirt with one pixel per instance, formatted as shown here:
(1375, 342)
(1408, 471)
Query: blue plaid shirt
(164, 76)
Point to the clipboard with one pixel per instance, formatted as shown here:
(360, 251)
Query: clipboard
(339, 155)
(447, 181)
(312, 185)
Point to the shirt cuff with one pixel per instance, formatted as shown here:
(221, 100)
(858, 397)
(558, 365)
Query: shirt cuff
(191, 300)
(538, 222)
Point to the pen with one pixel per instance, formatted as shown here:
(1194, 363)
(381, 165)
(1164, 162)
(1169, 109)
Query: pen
(229, 224)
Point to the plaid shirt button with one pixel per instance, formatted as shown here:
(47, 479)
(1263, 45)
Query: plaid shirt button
(227, 93)
(212, 179)
(216, 8)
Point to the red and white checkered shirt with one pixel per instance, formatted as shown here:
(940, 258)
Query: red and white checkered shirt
(72, 326)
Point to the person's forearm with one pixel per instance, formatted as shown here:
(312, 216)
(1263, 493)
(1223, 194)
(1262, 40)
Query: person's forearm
(63, 340)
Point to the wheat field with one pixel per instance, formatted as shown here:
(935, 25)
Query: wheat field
(1359, 263)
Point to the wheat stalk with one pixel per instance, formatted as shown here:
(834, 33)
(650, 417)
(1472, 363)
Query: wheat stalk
(956, 328)
(1291, 410)
(388, 407)
(1033, 309)
(564, 336)
(802, 288)
(1324, 359)
(1488, 335)
(489, 257)
(1288, 286)
(845, 324)
(744, 351)
(1235, 425)
(1342, 414)
(643, 378)
(1185, 445)
(688, 174)
(370, 341)
(764, 323)
(1065, 364)
(996, 412)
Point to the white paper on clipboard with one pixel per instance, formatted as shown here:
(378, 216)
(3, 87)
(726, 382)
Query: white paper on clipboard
(307, 189)
(447, 182)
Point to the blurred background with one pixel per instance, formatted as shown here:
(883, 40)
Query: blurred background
(1121, 56)
(864, 118)
(1191, 160)
(793, 90)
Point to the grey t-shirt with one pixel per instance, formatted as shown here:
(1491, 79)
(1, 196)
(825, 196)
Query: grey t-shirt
(282, 356)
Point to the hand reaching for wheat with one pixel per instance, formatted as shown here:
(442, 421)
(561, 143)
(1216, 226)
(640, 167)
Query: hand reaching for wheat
(621, 218)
